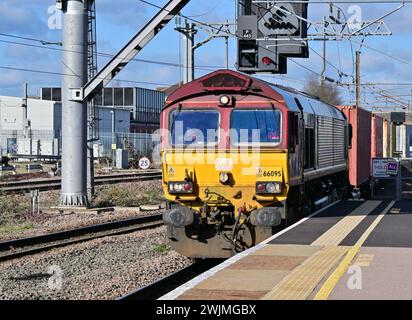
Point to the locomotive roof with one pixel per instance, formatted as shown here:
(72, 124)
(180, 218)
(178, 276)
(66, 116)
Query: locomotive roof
(310, 104)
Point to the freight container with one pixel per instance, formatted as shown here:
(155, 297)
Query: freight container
(360, 151)
(377, 137)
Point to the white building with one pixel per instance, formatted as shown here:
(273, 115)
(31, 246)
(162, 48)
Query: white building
(44, 122)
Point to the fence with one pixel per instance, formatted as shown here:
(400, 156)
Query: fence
(48, 143)
(141, 143)
(33, 142)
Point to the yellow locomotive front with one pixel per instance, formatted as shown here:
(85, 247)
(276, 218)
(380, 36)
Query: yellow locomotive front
(225, 165)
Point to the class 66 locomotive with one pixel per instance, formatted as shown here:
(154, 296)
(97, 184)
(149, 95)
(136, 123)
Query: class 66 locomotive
(242, 158)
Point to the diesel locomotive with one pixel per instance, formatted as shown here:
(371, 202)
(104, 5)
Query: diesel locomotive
(242, 157)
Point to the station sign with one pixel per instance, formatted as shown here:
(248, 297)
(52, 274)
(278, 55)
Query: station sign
(384, 167)
(392, 168)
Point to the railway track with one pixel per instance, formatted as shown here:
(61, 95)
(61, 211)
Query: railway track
(171, 282)
(55, 183)
(18, 248)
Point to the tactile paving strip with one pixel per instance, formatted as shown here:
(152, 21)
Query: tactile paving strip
(316, 226)
(335, 235)
(300, 283)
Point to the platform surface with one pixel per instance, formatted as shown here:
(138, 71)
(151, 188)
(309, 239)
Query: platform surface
(349, 250)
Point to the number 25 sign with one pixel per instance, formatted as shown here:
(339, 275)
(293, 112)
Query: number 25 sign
(144, 163)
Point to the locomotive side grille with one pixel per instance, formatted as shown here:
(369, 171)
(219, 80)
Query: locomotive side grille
(325, 142)
(331, 142)
(338, 142)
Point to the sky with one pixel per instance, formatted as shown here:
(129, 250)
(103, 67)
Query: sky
(385, 60)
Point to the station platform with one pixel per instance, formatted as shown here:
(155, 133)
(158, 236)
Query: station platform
(348, 250)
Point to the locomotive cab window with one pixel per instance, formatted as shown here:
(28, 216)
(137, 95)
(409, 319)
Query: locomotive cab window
(258, 126)
(194, 127)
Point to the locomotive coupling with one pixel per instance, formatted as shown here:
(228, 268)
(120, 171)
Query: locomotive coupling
(178, 217)
(266, 217)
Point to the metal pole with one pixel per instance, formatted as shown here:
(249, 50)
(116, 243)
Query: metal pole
(92, 70)
(113, 138)
(186, 52)
(399, 181)
(358, 88)
(227, 52)
(191, 54)
(322, 74)
(179, 48)
(90, 152)
(74, 113)
(25, 120)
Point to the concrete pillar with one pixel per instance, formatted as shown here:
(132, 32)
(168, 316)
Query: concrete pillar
(74, 113)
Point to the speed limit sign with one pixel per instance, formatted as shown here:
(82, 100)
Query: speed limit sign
(144, 163)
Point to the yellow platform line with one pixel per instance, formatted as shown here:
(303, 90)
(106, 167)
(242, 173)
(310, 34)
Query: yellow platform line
(334, 278)
(335, 235)
(301, 282)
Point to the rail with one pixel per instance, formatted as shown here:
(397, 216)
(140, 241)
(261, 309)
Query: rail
(18, 248)
(55, 183)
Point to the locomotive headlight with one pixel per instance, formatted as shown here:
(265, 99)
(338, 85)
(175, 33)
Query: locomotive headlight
(224, 177)
(180, 187)
(224, 100)
(273, 188)
(268, 187)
